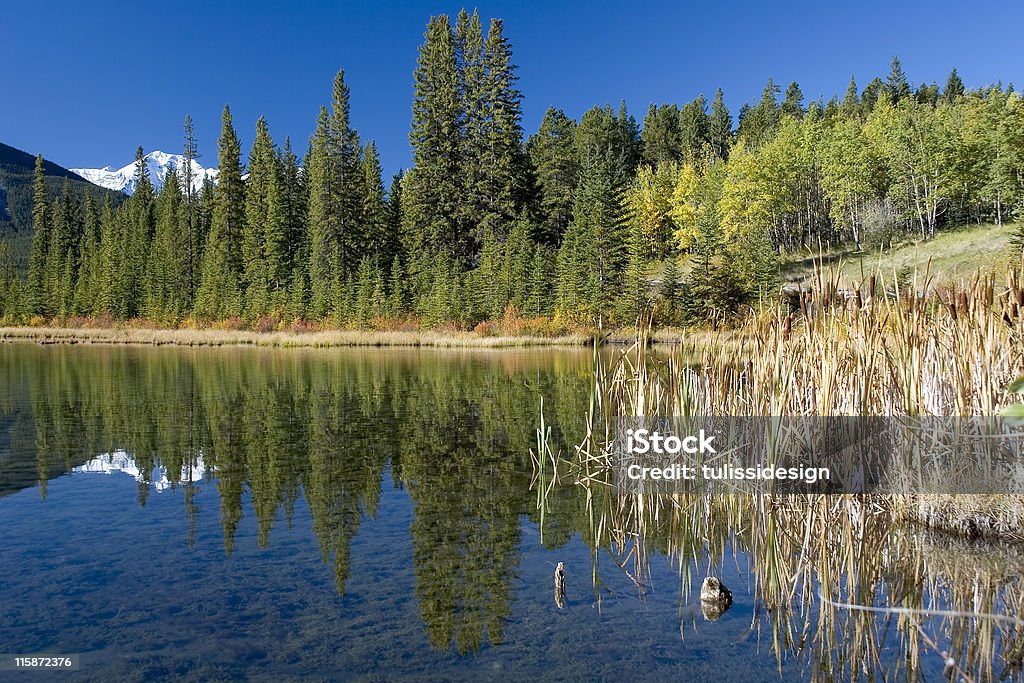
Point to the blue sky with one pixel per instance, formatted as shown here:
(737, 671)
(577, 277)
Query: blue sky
(85, 83)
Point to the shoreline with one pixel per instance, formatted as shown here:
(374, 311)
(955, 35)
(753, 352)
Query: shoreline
(130, 336)
(209, 338)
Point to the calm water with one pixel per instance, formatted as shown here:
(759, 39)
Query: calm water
(332, 515)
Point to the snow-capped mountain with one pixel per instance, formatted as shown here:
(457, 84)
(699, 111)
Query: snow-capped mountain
(159, 165)
(120, 461)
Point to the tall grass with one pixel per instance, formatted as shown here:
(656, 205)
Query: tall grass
(821, 564)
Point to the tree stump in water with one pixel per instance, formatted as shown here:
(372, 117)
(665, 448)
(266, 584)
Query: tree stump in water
(560, 585)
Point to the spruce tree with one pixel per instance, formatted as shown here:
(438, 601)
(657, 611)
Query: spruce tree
(433, 191)
(720, 127)
(670, 291)
(474, 120)
(262, 172)
(660, 136)
(37, 299)
(194, 243)
(793, 104)
(89, 259)
(694, 128)
(278, 239)
(503, 160)
(168, 262)
(337, 235)
(635, 299)
(379, 241)
(851, 103)
(220, 295)
(552, 153)
(954, 87)
(896, 84)
(592, 254)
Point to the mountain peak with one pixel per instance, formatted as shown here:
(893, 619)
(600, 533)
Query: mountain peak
(159, 165)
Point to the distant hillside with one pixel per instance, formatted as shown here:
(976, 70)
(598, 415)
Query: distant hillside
(16, 169)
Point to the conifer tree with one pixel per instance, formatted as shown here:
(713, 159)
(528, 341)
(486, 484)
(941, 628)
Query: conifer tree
(194, 242)
(37, 296)
(851, 103)
(433, 191)
(694, 128)
(954, 87)
(793, 104)
(220, 295)
(660, 135)
(397, 301)
(670, 291)
(758, 124)
(552, 153)
(89, 259)
(592, 254)
(896, 85)
(720, 127)
(168, 262)
(635, 298)
(262, 172)
(108, 293)
(474, 120)
(541, 277)
(379, 241)
(503, 159)
(337, 238)
(278, 238)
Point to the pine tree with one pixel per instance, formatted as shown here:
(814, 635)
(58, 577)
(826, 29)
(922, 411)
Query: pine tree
(793, 104)
(662, 142)
(433, 191)
(89, 259)
(896, 85)
(393, 245)
(474, 120)
(379, 241)
(61, 259)
(694, 128)
(262, 173)
(220, 295)
(720, 127)
(592, 257)
(758, 124)
(954, 87)
(279, 239)
(168, 261)
(503, 159)
(538, 301)
(851, 102)
(397, 302)
(670, 291)
(337, 238)
(552, 153)
(138, 222)
(38, 301)
(108, 286)
(635, 298)
(194, 243)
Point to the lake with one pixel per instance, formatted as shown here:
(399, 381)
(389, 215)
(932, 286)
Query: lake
(231, 514)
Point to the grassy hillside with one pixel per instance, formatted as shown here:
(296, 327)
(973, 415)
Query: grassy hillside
(950, 256)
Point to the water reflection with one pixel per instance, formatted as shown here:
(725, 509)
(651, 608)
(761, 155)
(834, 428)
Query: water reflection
(324, 435)
(452, 429)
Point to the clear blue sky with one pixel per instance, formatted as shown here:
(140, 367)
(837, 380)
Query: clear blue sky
(84, 83)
